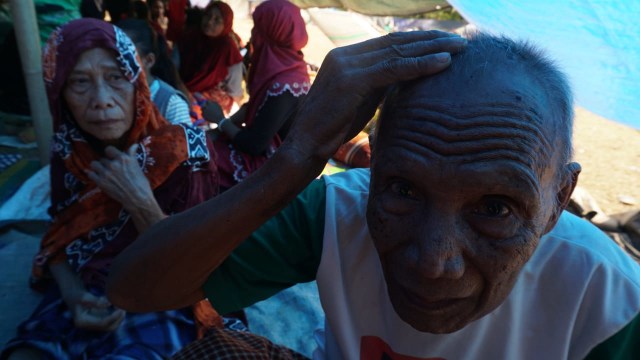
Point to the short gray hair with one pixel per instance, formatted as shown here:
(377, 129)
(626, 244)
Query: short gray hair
(483, 48)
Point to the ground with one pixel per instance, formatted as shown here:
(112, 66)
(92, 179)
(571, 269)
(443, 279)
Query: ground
(609, 153)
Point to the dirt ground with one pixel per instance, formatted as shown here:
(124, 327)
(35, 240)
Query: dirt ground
(609, 153)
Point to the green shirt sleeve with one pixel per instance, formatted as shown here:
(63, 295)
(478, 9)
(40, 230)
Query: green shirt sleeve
(284, 251)
(625, 344)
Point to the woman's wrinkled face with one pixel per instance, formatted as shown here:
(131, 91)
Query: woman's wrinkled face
(213, 22)
(100, 98)
(460, 195)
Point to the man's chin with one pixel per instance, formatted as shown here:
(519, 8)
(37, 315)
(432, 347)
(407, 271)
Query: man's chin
(445, 321)
(434, 326)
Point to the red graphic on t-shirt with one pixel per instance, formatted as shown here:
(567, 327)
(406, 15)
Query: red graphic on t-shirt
(374, 348)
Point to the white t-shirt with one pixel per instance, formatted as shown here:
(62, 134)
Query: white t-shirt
(577, 290)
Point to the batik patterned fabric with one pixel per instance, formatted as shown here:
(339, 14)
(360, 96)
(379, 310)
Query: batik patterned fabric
(78, 206)
(153, 336)
(89, 229)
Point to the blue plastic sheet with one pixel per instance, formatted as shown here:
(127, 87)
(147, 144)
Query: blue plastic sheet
(597, 43)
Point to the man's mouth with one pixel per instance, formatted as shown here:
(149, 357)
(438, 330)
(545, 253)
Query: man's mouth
(431, 304)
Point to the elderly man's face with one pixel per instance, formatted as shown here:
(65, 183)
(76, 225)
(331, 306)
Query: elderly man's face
(99, 96)
(462, 188)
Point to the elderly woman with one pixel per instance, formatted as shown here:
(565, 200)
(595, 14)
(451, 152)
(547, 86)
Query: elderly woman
(210, 61)
(278, 79)
(117, 167)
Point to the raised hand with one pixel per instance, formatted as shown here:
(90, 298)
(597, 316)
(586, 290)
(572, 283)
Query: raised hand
(119, 176)
(353, 79)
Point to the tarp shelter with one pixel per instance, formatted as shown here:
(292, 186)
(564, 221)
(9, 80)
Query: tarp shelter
(597, 43)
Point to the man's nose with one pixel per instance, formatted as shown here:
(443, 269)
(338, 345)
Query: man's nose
(439, 249)
(102, 96)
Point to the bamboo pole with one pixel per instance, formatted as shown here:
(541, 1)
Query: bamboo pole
(23, 13)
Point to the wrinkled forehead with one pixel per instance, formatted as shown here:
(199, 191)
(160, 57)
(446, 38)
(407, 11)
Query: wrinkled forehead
(479, 113)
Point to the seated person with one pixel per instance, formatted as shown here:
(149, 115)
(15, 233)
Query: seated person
(278, 80)
(210, 61)
(119, 9)
(167, 91)
(453, 245)
(117, 167)
(157, 15)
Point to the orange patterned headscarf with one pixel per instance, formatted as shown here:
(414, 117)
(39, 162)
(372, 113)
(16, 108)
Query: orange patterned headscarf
(78, 205)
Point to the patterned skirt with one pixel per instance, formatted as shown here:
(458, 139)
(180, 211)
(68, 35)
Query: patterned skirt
(50, 329)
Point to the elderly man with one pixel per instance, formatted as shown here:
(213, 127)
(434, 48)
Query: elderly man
(453, 245)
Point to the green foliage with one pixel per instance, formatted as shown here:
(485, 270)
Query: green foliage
(445, 13)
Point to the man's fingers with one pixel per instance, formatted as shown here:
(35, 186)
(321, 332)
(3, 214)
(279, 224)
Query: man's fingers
(396, 62)
(450, 45)
(400, 69)
(394, 39)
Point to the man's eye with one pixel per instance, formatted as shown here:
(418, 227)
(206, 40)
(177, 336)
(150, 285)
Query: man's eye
(403, 189)
(493, 208)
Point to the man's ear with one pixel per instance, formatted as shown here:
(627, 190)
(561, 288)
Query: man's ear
(567, 185)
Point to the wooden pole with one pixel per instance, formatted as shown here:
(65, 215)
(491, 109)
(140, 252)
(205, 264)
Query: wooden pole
(23, 13)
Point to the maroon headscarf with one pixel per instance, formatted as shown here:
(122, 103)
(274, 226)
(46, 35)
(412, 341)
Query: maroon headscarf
(277, 63)
(78, 205)
(205, 60)
(80, 209)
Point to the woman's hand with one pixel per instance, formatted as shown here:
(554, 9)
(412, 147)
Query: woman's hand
(92, 312)
(89, 311)
(119, 176)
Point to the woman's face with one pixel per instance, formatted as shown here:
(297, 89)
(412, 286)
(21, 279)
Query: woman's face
(157, 9)
(100, 98)
(213, 22)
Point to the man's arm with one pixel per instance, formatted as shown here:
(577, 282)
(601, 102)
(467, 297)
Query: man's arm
(284, 251)
(167, 266)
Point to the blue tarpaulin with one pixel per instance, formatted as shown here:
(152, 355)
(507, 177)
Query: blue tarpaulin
(597, 43)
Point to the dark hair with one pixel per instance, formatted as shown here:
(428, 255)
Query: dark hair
(119, 9)
(147, 41)
(89, 9)
(193, 17)
(150, 4)
(482, 49)
(141, 9)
